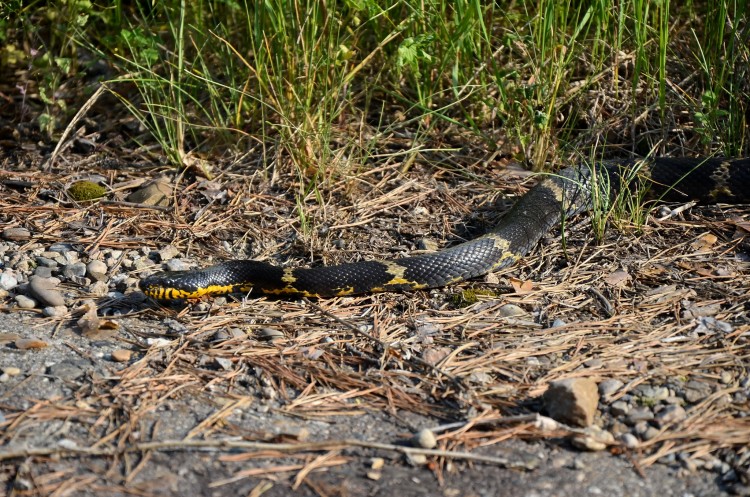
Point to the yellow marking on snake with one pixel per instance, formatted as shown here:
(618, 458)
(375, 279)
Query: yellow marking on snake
(721, 177)
(174, 293)
(288, 276)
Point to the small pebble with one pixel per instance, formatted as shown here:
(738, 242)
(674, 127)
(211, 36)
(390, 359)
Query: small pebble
(421, 211)
(695, 391)
(427, 244)
(638, 414)
(8, 281)
(650, 433)
(30, 343)
(12, 371)
(52, 311)
(96, 268)
(99, 289)
(671, 414)
(558, 322)
(630, 441)
(68, 369)
(269, 334)
(511, 310)
(168, 253)
(16, 234)
(25, 302)
(594, 363)
(619, 408)
(726, 376)
(43, 272)
(609, 387)
(224, 363)
(417, 459)
(158, 342)
(76, 270)
(640, 428)
(425, 438)
(593, 439)
(572, 400)
(121, 355)
(46, 262)
(61, 247)
(176, 265)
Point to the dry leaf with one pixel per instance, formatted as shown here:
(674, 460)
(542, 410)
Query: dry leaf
(434, 355)
(618, 278)
(89, 323)
(704, 242)
(521, 286)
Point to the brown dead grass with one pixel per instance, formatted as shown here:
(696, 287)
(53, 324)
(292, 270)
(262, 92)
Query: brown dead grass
(409, 352)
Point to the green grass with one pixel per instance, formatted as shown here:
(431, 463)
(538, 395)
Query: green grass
(549, 80)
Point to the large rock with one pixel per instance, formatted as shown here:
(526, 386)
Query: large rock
(572, 401)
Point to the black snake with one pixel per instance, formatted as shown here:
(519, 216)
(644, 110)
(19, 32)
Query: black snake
(566, 193)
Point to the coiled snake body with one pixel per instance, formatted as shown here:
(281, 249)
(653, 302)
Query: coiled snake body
(557, 196)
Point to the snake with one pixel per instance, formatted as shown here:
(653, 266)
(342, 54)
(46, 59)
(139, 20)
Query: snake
(553, 199)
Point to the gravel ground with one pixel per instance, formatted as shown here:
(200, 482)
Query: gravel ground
(73, 367)
(646, 336)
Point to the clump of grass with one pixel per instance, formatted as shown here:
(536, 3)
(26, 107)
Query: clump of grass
(300, 80)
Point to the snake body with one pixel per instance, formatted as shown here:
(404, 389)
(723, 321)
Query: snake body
(557, 196)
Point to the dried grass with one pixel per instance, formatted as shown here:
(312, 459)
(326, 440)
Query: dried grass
(415, 352)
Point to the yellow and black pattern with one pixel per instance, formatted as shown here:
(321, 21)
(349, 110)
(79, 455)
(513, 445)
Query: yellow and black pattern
(563, 194)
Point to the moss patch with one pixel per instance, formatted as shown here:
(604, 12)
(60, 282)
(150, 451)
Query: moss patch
(84, 191)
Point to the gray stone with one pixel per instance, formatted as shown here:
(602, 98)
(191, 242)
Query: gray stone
(61, 247)
(671, 414)
(639, 414)
(44, 290)
(68, 369)
(25, 302)
(630, 441)
(8, 281)
(43, 272)
(73, 271)
(176, 265)
(46, 262)
(695, 391)
(55, 311)
(168, 252)
(619, 408)
(16, 234)
(650, 433)
(95, 268)
(511, 310)
(609, 387)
